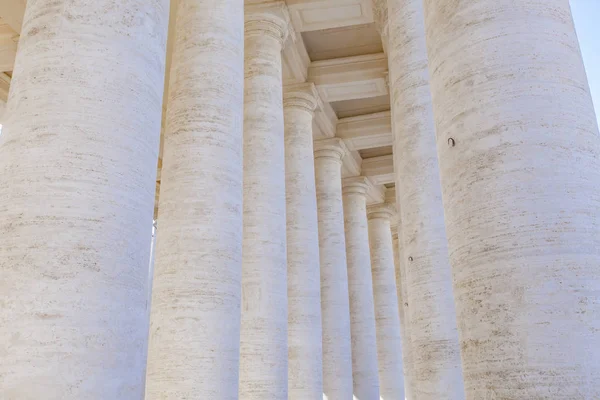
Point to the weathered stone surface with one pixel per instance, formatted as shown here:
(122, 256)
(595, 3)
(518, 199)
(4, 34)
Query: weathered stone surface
(264, 346)
(305, 358)
(521, 195)
(387, 316)
(436, 353)
(399, 267)
(335, 303)
(365, 376)
(195, 318)
(78, 155)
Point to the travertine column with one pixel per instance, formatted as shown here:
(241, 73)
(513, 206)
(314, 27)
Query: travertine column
(305, 369)
(360, 287)
(264, 349)
(520, 165)
(387, 317)
(335, 305)
(436, 352)
(78, 155)
(407, 364)
(195, 317)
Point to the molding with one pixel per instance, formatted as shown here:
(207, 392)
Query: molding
(356, 185)
(383, 210)
(312, 15)
(330, 148)
(352, 164)
(325, 122)
(294, 60)
(379, 169)
(350, 78)
(366, 131)
(271, 19)
(302, 95)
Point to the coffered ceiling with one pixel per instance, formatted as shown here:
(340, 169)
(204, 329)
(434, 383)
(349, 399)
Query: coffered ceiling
(336, 46)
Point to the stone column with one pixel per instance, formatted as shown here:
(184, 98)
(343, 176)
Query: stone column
(264, 347)
(78, 155)
(407, 364)
(305, 369)
(335, 305)
(360, 288)
(520, 164)
(436, 352)
(195, 316)
(387, 317)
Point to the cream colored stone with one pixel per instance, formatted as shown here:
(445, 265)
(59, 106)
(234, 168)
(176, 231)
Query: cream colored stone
(399, 267)
(305, 359)
(335, 304)
(264, 346)
(387, 316)
(436, 352)
(521, 197)
(78, 155)
(360, 287)
(195, 318)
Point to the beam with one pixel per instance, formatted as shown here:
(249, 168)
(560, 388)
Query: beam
(295, 59)
(366, 131)
(350, 78)
(379, 169)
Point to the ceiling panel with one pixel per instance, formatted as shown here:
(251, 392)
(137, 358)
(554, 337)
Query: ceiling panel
(347, 41)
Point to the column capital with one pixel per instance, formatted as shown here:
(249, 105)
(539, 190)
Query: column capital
(302, 95)
(356, 185)
(382, 211)
(330, 148)
(272, 19)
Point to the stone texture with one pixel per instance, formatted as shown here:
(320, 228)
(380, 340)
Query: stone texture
(78, 155)
(360, 287)
(335, 305)
(305, 359)
(407, 364)
(521, 195)
(436, 353)
(195, 318)
(264, 347)
(387, 316)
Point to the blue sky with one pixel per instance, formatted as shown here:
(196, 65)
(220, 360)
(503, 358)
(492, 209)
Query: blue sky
(586, 14)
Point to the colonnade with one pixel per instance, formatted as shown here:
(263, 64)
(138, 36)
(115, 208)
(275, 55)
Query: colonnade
(273, 279)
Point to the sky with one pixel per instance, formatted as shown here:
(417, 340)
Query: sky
(586, 14)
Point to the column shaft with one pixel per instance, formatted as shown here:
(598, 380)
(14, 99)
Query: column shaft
(195, 317)
(407, 363)
(335, 306)
(264, 347)
(436, 353)
(521, 197)
(78, 156)
(305, 369)
(360, 287)
(387, 316)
